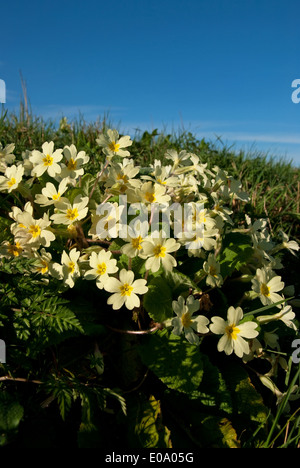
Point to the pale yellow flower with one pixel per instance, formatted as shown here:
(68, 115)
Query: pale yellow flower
(51, 195)
(6, 156)
(68, 271)
(113, 145)
(70, 213)
(186, 322)
(11, 179)
(46, 161)
(125, 290)
(267, 285)
(158, 249)
(102, 265)
(72, 166)
(234, 332)
(212, 269)
(34, 232)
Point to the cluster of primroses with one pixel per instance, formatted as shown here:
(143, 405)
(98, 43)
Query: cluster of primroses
(49, 181)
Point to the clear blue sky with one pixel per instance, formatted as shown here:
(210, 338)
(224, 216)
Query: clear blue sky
(213, 67)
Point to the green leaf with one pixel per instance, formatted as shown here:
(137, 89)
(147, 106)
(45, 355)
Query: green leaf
(179, 283)
(88, 184)
(246, 398)
(158, 299)
(176, 362)
(237, 250)
(148, 429)
(219, 433)
(11, 413)
(213, 390)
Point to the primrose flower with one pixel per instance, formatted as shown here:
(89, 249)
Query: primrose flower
(291, 245)
(198, 239)
(34, 232)
(162, 175)
(153, 193)
(47, 161)
(101, 266)
(113, 145)
(286, 315)
(9, 250)
(26, 163)
(11, 179)
(15, 212)
(121, 177)
(136, 235)
(157, 248)
(185, 320)
(201, 217)
(234, 332)
(69, 213)
(72, 168)
(51, 195)
(68, 271)
(6, 156)
(183, 158)
(212, 269)
(125, 290)
(106, 220)
(43, 262)
(266, 284)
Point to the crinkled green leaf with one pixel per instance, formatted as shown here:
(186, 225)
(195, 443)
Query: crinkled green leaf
(158, 299)
(237, 249)
(146, 426)
(176, 362)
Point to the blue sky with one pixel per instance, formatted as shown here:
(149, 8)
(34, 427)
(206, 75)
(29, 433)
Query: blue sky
(216, 68)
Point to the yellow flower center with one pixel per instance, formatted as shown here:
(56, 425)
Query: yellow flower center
(126, 289)
(71, 267)
(265, 290)
(48, 160)
(11, 182)
(136, 243)
(101, 268)
(72, 164)
(150, 197)
(34, 230)
(232, 331)
(186, 320)
(113, 146)
(123, 177)
(159, 251)
(72, 213)
(159, 181)
(14, 249)
(44, 268)
(56, 196)
(200, 217)
(212, 271)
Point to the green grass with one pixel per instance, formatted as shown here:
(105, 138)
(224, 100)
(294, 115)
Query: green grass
(273, 183)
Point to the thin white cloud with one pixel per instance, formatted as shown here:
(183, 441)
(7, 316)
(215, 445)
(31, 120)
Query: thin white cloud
(89, 112)
(263, 138)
